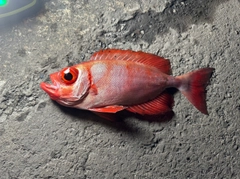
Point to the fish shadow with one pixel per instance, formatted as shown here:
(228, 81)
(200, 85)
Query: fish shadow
(121, 121)
(83, 115)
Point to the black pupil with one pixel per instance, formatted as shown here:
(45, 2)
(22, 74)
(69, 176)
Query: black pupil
(68, 76)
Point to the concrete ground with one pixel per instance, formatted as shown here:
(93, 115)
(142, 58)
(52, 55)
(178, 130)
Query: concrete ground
(40, 139)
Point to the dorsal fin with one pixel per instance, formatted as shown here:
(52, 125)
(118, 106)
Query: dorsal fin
(160, 105)
(141, 57)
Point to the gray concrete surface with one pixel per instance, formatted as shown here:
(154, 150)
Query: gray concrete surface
(40, 139)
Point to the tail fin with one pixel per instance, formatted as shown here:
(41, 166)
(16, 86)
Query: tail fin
(193, 86)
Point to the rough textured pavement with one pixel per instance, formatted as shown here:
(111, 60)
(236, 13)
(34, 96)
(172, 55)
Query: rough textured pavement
(40, 139)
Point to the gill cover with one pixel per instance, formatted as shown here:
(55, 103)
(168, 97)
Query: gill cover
(74, 84)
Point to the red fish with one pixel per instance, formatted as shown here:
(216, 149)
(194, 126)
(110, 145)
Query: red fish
(115, 80)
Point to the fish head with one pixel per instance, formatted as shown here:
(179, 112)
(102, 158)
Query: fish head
(68, 86)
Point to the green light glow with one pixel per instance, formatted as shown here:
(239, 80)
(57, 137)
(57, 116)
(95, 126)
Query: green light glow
(3, 2)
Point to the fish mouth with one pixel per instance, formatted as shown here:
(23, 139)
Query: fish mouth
(51, 89)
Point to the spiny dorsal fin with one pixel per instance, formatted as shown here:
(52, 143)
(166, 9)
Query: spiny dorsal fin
(141, 57)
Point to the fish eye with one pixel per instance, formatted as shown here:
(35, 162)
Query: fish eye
(69, 75)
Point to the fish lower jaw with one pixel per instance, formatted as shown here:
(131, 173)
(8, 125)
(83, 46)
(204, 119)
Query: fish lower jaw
(50, 89)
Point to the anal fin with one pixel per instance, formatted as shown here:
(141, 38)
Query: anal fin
(160, 105)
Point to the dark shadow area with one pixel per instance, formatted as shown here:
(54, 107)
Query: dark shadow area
(178, 15)
(87, 115)
(119, 120)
